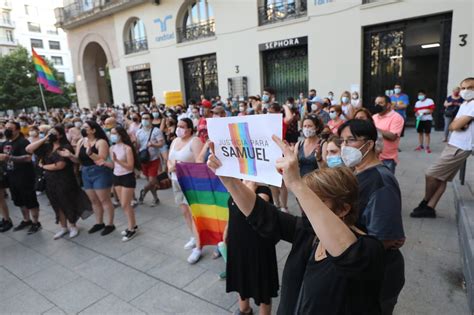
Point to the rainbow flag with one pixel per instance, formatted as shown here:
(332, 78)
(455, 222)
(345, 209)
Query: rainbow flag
(207, 197)
(240, 137)
(45, 75)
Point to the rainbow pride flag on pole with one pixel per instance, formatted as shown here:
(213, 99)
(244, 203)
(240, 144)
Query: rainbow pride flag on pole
(45, 75)
(207, 197)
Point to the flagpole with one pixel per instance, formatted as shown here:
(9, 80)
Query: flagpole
(42, 97)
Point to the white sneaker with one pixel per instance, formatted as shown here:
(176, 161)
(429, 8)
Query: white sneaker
(191, 244)
(134, 203)
(73, 232)
(124, 232)
(285, 210)
(60, 234)
(195, 256)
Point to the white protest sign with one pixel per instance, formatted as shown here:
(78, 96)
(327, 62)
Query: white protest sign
(245, 147)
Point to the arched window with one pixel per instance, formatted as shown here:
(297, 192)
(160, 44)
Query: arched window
(198, 21)
(271, 11)
(135, 37)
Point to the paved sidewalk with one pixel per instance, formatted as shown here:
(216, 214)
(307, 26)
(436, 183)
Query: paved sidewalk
(92, 274)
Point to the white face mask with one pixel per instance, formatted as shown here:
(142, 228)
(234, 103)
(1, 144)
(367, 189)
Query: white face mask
(314, 107)
(467, 94)
(397, 91)
(77, 124)
(352, 156)
(180, 132)
(332, 115)
(309, 132)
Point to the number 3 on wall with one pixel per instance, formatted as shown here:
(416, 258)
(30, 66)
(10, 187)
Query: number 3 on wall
(463, 40)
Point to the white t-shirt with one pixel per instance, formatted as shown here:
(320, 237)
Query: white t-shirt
(424, 106)
(464, 139)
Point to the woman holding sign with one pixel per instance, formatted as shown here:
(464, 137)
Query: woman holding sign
(333, 268)
(185, 148)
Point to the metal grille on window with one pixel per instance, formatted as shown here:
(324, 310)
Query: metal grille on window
(276, 11)
(237, 87)
(200, 77)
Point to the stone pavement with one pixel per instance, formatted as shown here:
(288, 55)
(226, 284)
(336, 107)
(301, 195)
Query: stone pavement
(92, 274)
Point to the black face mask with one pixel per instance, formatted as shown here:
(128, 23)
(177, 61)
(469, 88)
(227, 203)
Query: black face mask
(52, 138)
(8, 133)
(84, 133)
(378, 109)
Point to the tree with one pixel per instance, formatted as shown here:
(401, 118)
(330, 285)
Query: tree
(18, 86)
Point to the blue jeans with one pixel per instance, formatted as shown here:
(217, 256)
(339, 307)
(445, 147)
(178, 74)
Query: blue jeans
(391, 164)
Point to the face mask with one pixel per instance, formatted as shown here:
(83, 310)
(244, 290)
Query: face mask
(397, 90)
(77, 124)
(332, 115)
(354, 97)
(23, 124)
(33, 134)
(52, 138)
(378, 109)
(352, 156)
(114, 138)
(8, 133)
(334, 161)
(180, 132)
(307, 132)
(345, 99)
(314, 108)
(241, 109)
(330, 97)
(145, 123)
(265, 98)
(41, 135)
(156, 115)
(421, 97)
(84, 133)
(467, 94)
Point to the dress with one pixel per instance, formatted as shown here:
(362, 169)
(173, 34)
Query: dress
(251, 259)
(62, 189)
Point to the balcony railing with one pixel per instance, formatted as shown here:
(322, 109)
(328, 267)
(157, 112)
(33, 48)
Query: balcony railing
(281, 11)
(7, 41)
(196, 31)
(136, 46)
(81, 12)
(7, 23)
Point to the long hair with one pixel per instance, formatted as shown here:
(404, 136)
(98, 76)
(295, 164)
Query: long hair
(99, 132)
(122, 132)
(63, 141)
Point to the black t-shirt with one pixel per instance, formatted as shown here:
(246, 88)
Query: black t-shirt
(17, 147)
(359, 270)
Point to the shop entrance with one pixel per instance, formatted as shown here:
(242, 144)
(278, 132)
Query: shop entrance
(414, 53)
(142, 87)
(285, 67)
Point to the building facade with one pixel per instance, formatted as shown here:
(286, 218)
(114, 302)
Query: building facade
(8, 41)
(235, 48)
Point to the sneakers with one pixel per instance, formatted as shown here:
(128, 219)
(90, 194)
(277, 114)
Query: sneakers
(239, 312)
(156, 202)
(60, 234)
(107, 230)
(134, 203)
(142, 196)
(285, 210)
(223, 275)
(428, 150)
(96, 228)
(73, 232)
(129, 235)
(22, 225)
(423, 211)
(5, 225)
(115, 203)
(123, 233)
(195, 256)
(35, 227)
(419, 148)
(191, 244)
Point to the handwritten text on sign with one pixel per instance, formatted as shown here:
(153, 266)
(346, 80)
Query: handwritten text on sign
(245, 147)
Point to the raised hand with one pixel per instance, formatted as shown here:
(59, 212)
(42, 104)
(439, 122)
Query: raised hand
(213, 162)
(288, 164)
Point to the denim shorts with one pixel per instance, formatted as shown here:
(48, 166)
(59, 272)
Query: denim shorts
(96, 177)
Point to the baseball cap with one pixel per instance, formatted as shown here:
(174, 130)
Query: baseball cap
(206, 103)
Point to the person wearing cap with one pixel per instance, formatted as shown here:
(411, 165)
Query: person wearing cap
(202, 124)
(218, 111)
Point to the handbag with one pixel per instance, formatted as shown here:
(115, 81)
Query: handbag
(451, 111)
(144, 155)
(164, 181)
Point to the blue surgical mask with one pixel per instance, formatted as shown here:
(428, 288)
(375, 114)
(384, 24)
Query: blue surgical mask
(145, 123)
(334, 161)
(345, 99)
(114, 138)
(421, 97)
(41, 135)
(156, 115)
(397, 91)
(265, 98)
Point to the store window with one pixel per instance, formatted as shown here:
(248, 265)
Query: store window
(135, 37)
(197, 21)
(273, 11)
(36, 43)
(142, 87)
(54, 45)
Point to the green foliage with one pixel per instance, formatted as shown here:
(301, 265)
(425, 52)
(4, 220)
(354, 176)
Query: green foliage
(18, 86)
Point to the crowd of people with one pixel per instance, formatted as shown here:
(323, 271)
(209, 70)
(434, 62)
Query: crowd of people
(339, 160)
